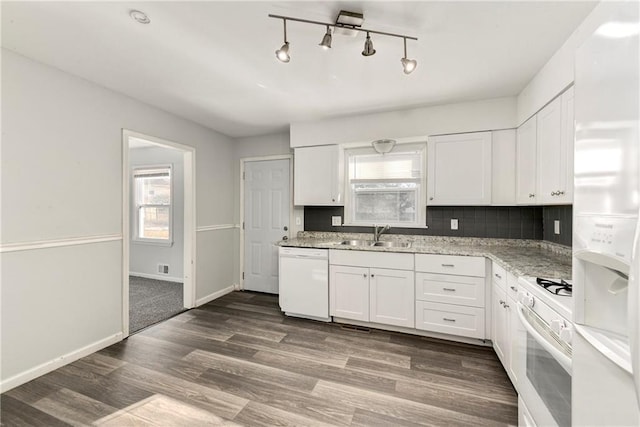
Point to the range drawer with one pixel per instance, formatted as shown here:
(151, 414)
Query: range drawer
(499, 275)
(450, 319)
(445, 288)
(451, 264)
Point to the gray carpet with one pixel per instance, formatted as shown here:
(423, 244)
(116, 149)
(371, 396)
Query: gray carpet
(151, 301)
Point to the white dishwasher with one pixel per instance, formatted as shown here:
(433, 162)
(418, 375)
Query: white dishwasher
(304, 283)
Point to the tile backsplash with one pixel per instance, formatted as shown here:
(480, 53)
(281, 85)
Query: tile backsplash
(512, 222)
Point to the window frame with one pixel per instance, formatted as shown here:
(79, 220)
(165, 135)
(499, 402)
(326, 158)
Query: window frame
(137, 207)
(421, 193)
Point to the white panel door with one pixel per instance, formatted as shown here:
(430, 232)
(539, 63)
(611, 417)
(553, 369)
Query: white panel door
(526, 163)
(349, 292)
(266, 221)
(392, 297)
(549, 164)
(459, 169)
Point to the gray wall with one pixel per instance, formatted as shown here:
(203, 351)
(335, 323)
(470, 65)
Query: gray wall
(144, 257)
(61, 178)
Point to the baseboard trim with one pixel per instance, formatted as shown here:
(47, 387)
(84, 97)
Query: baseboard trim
(215, 295)
(52, 365)
(157, 277)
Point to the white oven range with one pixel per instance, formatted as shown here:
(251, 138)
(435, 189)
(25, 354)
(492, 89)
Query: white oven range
(544, 339)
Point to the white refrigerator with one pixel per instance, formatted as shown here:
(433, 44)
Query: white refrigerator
(606, 253)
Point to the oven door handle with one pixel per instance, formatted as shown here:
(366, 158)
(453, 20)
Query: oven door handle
(559, 356)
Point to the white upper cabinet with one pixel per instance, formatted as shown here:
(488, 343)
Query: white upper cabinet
(526, 162)
(459, 169)
(503, 181)
(318, 176)
(545, 155)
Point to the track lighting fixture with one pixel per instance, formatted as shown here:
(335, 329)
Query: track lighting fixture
(408, 65)
(346, 23)
(368, 47)
(283, 53)
(326, 40)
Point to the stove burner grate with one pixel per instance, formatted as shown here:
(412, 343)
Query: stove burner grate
(561, 288)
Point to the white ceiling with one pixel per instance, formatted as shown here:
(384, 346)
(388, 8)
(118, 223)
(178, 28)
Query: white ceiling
(214, 62)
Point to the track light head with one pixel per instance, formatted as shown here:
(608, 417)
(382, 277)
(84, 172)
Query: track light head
(326, 40)
(283, 53)
(408, 65)
(368, 47)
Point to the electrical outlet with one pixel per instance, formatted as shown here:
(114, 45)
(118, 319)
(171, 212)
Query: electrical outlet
(336, 221)
(556, 226)
(298, 220)
(454, 224)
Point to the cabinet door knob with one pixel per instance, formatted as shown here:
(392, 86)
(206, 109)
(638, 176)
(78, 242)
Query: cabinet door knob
(505, 305)
(333, 200)
(502, 302)
(285, 237)
(560, 193)
(513, 288)
(498, 276)
(531, 195)
(286, 228)
(364, 275)
(373, 275)
(430, 198)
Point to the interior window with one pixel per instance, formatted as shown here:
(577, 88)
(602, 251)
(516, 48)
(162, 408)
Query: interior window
(152, 192)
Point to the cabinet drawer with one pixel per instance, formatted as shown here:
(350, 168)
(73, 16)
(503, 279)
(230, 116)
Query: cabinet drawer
(392, 260)
(445, 288)
(451, 264)
(450, 319)
(499, 275)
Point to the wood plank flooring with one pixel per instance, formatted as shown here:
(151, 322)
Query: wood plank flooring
(239, 361)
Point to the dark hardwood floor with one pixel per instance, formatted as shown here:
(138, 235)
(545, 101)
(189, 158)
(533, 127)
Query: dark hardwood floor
(239, 361)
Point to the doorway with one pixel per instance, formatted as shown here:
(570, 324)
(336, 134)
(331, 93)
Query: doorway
(158, 230)
(266, 212)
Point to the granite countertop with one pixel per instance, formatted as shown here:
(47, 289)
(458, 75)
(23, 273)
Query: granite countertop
(520, 257)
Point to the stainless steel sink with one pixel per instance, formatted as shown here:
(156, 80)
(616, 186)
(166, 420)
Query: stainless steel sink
(392, 244)
(357, 242)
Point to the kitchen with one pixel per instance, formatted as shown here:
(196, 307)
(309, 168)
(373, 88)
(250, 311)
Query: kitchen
(480, 201)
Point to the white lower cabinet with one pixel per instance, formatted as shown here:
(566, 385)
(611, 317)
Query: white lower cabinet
(504, 321)
(371, 294)
(450, 295)
(391, 297)
(500, 325)
(349, 291)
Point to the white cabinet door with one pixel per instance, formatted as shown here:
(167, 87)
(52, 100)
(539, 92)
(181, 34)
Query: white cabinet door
(526, 162)
(318, 176)
(499, 325)
(503, 179)
(349, 291)
(392, 297)
(549, 134)
(459, 169)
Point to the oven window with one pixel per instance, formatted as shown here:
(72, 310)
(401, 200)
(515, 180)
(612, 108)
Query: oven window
(551, 381)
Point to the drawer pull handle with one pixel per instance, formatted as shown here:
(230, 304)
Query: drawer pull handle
(498, 276)
(502, 302)
(364, 275)
(514, 289)
(449, 289)
(448, 320)
(448, 265)
(505, 305)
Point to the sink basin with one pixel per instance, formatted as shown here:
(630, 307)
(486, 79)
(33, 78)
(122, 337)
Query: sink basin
(357, 242)
(392, 244)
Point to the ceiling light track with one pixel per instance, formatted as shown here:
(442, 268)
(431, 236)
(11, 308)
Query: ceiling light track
(282, 54)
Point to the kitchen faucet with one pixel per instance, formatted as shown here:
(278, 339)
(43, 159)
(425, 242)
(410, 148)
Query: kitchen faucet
(378, 230)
